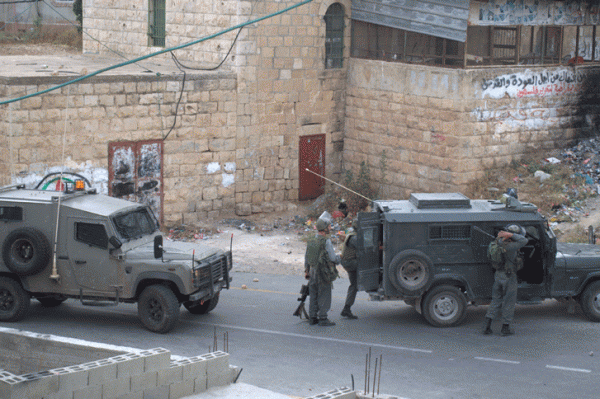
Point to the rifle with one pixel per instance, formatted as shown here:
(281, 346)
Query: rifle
(300, 310)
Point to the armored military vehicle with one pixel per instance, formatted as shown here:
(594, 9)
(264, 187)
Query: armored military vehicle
(431, 252)
(75, 243)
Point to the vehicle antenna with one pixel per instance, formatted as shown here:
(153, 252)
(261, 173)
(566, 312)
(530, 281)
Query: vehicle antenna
(338, 184)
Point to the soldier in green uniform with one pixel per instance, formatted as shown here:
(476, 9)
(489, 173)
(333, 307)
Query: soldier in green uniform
(504, 291)
(319, 268)
(350, 264)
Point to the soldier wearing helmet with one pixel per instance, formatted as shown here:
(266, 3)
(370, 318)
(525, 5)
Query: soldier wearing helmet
(320, 270)
(504, 292)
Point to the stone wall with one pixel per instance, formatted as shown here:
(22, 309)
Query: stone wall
(442, 128)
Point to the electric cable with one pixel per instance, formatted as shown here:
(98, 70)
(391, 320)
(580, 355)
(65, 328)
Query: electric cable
(178, 101)
(179, 63)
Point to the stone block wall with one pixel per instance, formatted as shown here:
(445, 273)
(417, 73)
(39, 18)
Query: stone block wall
(437, 129)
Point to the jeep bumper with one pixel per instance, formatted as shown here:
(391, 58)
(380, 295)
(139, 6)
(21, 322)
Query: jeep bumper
(209, 292)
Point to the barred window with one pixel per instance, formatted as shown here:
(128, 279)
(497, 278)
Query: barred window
(11, 213)
(450, 232)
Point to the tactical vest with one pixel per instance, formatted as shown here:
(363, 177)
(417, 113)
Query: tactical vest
(347, 252)
(318, 259)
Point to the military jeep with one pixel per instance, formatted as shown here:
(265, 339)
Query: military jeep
(100, 250)
(431, 252)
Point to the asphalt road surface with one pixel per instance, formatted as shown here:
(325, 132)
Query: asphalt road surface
(554, 354)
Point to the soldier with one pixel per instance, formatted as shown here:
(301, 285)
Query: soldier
(350, 264)
(320, 270)
(504, 291)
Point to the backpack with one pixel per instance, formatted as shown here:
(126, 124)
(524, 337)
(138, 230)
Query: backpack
(495, 254)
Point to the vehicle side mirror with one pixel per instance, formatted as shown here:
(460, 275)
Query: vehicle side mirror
(158, 246)
(115, 242)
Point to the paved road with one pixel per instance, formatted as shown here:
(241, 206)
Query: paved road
(553, 355)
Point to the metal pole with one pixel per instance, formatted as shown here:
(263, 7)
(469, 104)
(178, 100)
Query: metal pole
(344, 187)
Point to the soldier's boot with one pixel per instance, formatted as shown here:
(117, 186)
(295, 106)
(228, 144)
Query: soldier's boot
(506, 330)
(313, 320)
(346, 312)
(487, 328)
(326, 322)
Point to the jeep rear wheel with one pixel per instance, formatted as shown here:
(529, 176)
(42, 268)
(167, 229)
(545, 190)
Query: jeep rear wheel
(199, 307)
(158, 309)
(410, 271)
(590, 301)
(444, 306)
(14, 300)
(26, 251)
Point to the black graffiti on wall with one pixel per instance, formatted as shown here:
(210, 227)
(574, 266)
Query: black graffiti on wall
(521, 81)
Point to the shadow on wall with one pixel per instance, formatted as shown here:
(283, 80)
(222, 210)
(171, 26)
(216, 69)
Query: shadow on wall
(588, 105)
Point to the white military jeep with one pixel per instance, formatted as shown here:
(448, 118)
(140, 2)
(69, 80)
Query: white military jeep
(78, 244)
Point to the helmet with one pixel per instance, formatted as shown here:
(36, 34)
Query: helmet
(515, 229)
(322, 225)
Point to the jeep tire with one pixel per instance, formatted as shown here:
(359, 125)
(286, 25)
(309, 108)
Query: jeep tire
(199, 307)
(444, 306)
(410, 271)
(158, 308)
(590, 301)
(14, 300)
(26, 251)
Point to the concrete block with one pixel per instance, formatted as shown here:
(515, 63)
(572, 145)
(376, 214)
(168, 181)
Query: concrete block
(193, 367)
(33, 385)
(71, 378)
(116, 388)
(217, 362)
(200, 384)
(156, 359)
(338, 393)
(91, 392)
(144, 381)
(128, 364)
(160, 392)
(132, 395)
(181, 389)
(100, 371)
(170, 375)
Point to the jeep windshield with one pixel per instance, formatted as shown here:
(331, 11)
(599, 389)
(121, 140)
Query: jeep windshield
(135, 224)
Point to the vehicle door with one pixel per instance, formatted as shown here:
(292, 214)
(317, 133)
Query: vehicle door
(95, 271)
(368, 253)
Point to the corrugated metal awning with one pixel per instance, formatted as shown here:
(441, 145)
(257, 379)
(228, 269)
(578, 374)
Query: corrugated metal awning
(440, 18)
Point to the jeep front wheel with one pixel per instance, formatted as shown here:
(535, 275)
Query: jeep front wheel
(410, 271)
(158, 309)
(199, 307)
(444, 306)
(590, 301)
(14, 300)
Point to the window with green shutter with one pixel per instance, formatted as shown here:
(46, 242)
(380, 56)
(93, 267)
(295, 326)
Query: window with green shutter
(334, 36)
(156, 23)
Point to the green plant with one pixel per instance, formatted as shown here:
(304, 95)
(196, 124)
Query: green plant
(78, 11)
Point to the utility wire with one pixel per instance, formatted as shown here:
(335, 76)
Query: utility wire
(178, 63)
(156, 53)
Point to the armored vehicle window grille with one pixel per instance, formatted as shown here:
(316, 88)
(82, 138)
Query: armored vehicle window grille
(214, 267)
(450, 232)
(11, 213)
(92, 234)
(135, 224)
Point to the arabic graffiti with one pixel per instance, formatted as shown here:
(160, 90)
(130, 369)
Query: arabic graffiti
(534, 12)
(533, 84)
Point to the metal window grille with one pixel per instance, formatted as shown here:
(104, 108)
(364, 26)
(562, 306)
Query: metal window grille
(334, 36)
(461, 232)
(156, 23)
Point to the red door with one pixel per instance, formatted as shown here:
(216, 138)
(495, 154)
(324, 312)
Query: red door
(135, 172)
(312, 157)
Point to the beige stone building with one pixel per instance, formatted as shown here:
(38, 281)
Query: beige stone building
(429, 96)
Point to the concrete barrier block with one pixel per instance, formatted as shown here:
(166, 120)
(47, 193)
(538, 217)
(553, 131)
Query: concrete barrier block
(91, 392)
(116, 388)
(128, 364)
(71, 378)
(100, 371)
(144, 381)
(200, 384)
(160, 392)
(338, 393)
(170, 375)
(156, 359)
(217, 362)
(181, 389)
(193, 367)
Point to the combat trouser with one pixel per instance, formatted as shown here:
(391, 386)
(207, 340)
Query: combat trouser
(504, 297)
(353, 277)
(320, 299)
